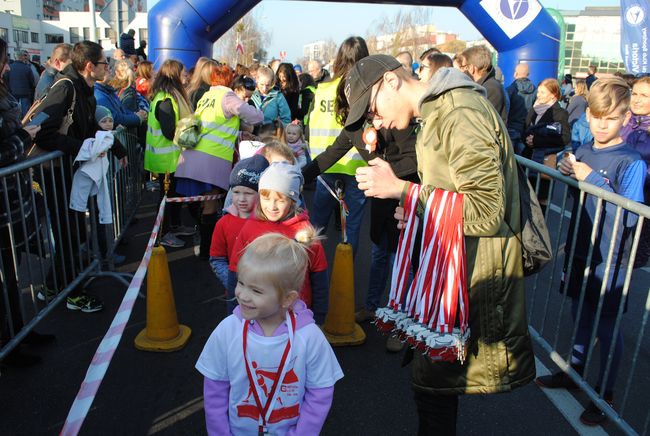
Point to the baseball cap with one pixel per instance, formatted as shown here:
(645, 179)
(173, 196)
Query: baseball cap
(361, 78)
(297, 68)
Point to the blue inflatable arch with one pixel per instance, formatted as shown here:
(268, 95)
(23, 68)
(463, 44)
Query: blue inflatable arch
(520, 30)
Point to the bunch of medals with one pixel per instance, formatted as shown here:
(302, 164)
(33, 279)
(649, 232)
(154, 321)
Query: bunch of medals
(438, 292)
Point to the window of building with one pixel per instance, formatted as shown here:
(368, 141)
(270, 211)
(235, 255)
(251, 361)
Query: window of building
(21, 36)
(144, 36)
(4, 33)
(53, 38)
(74, 35)
(570, 27)
(86, 31)
(34, 37)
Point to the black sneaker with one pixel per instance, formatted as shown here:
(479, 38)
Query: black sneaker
(555, 381)
(85, 303)
(592, 415)
(46, 294)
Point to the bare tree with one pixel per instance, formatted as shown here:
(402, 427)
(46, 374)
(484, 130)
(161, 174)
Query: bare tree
(405, 31)
(247, 33)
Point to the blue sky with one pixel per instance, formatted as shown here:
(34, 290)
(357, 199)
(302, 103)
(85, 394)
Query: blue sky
(295, 23)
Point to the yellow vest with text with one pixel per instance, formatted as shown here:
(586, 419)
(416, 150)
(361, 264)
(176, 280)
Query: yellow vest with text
(324, 129)
(219, 134)
(160, 154)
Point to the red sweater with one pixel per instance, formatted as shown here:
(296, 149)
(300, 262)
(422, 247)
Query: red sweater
(254, 227)
(225, 234)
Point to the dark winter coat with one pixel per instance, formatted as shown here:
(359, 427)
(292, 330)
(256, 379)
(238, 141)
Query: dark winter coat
(20, 80)
(496, 93)
(56, 105)
(550, 134)
(527, 90)
(127, 44)
(107, 97)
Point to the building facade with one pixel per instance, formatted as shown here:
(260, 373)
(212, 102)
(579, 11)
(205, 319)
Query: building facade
(593, 37)
(40, 37)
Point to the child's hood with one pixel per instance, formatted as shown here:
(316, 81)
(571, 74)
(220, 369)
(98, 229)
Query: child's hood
(304, 317)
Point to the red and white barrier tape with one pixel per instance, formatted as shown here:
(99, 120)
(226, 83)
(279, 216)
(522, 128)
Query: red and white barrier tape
(194, 198)
(107, 347)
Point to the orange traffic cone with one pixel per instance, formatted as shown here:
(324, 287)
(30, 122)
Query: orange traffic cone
(162, 333)
(340, 328)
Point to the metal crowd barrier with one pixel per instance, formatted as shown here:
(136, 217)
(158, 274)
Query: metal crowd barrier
(47, 249)
(550, 321)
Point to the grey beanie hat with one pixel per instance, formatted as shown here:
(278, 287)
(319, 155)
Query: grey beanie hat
(247, 172)
(284, 178)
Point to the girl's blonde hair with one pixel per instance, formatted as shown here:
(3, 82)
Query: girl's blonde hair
(298, 125)
(607, 95)
(124, 75)
(580, 87)
(277, 147)
(259, 213)
(279, 260)
(202, 74)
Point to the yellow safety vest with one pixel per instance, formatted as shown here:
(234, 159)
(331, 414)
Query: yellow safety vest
(160, 154)
(219, 134)
(324, 129)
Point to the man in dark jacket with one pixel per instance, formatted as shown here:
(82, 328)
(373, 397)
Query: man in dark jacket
(523, 86)
(519, 105)
(140, 51)
(478, 66)
(88, 66)
(127, 42)
(591, 75)
(21, 82)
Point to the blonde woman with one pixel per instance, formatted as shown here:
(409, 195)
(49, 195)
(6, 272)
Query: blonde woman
(200, 81)
(578, 103)
(124, 84)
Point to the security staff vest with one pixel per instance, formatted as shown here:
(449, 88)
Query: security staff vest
(161, 154)
(324, 129)
(219, 133)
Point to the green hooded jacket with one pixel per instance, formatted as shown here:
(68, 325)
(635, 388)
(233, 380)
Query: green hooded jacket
(463, 146)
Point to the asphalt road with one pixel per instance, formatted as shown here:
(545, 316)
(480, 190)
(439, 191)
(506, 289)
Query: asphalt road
(151, 393)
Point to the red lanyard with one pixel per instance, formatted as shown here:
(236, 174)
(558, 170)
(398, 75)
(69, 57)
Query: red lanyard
(264, 411)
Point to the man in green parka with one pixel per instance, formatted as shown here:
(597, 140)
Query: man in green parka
(462, 146)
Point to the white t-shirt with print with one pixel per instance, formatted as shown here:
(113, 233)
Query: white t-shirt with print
(312, 365)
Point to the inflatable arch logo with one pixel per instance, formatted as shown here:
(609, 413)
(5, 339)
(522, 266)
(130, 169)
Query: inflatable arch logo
(520, 30)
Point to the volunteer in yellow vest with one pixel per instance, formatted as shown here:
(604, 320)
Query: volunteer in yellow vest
(169, 104)
(324, 128)
(205, 170)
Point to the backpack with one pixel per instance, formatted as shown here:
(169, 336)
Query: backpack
(536, 250)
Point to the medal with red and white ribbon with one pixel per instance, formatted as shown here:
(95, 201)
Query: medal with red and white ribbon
(438, 293)
(266, 410)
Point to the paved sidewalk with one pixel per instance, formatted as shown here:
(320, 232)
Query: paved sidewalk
(150, 393)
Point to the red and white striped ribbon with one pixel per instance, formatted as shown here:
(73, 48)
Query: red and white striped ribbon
(439, 288)
(194, 198)
(108, 345)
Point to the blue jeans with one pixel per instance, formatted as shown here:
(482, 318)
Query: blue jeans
(381, 268)
(324, 203)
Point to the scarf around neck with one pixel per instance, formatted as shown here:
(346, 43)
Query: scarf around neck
(541, 108)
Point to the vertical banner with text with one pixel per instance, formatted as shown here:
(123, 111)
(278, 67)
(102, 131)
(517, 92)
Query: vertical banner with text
(634, 35)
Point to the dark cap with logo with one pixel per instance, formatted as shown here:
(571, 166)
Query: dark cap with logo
(361, 78)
